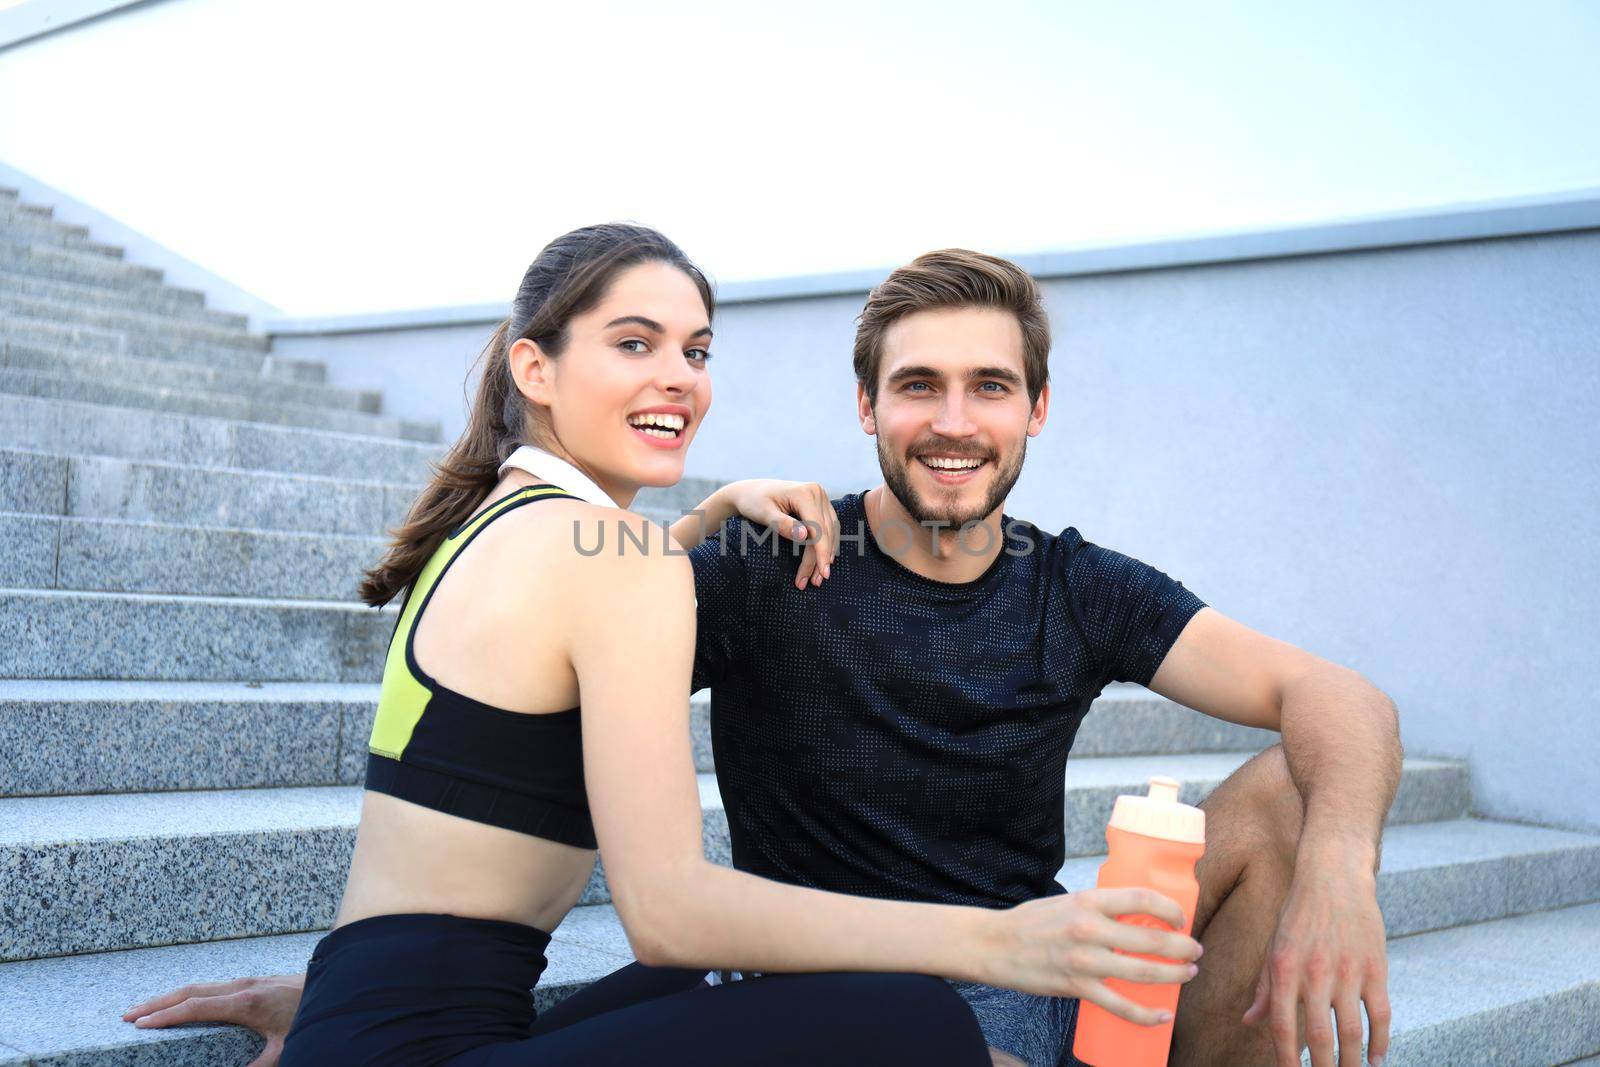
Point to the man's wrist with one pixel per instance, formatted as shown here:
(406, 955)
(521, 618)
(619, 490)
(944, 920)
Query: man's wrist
(1335, 850)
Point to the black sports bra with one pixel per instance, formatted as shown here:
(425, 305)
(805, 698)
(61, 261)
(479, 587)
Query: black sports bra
(435, 747)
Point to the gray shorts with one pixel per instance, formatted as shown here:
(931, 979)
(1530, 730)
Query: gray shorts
(1036, 1030)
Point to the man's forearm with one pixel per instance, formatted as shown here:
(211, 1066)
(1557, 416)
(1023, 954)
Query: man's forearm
(1342, 742)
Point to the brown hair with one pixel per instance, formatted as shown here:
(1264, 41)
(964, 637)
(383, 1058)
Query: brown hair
(954, 278)
(569, 277)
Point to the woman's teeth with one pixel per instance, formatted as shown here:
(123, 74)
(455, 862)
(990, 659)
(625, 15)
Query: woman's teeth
(658, 425)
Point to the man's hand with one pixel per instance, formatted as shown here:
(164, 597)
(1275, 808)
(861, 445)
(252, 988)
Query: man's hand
(799, 511)
(1328, 953)
(265, 1005)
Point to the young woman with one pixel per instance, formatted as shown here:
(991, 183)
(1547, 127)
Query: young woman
(487, 790)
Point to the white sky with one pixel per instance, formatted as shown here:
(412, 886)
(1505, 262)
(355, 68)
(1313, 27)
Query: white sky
(361, 155)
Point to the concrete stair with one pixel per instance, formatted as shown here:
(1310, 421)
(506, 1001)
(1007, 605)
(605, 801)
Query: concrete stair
(187, 684)
(172, 302)
(122, 393)
(22, 226)
(142, 327)
(169, 844)
(51, 261)
(1513, 992)
(18, 325)
(149, 373)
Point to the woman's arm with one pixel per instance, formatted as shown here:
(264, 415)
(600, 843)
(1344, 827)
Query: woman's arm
(630, 641)
(799, 511)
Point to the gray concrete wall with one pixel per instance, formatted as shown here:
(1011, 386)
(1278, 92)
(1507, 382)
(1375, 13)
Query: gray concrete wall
(421, 370)
(1387, 456)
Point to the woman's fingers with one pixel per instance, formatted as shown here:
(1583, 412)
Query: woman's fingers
(176, 996)
(1149, 972)
(830, 529)
(1136, 901)
(212, 1009)
(805, 516)
(811, 505)
(808, 569)
(1149, 942)
(1097, 992)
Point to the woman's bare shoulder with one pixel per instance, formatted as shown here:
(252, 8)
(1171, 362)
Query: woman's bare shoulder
(564, 539)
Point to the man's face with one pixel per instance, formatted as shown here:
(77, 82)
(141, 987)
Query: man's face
(953, 416)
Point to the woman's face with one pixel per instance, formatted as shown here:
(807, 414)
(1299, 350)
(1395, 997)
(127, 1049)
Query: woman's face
(627, 395)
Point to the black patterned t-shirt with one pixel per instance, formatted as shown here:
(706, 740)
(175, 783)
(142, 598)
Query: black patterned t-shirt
(888, 735)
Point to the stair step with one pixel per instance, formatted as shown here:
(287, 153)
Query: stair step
(135, 324)
(1517, 992)
(34, 230)
(71, 264)
(69, 1010)
(1441, 874)
(29, 218)
(107, 342)
(125, 394)
(69, 427)
(1430, 789)
(115, 556)
(186, 851)
(67, 737)
(51, 634)
(1522, 991)
(60, 738)
(179, 304)
(1133, 721)
(191, 377)
(209, 866)
(132, 490)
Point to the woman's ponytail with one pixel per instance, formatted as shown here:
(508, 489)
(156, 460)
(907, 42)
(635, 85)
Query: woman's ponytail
(460, 480)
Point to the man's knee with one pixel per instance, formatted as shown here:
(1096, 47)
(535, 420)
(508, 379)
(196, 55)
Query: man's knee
(1270, 803)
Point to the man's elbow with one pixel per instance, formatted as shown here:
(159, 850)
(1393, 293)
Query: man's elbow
(1378, 704)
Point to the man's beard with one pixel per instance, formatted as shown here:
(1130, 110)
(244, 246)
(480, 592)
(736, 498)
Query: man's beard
(933, 509)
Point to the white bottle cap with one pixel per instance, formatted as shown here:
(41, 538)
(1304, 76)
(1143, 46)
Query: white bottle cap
(1160, 814)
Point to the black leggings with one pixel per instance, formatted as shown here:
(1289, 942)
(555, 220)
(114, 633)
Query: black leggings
(455, 992)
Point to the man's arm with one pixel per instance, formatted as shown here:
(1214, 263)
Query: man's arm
(1341, 742)
(1340, 732)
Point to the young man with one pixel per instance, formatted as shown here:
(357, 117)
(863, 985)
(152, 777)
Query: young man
(902, 729)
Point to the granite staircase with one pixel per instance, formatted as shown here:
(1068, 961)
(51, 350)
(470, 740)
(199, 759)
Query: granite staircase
(187, 682)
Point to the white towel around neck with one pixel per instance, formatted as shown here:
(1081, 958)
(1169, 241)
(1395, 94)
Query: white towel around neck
(548, 467)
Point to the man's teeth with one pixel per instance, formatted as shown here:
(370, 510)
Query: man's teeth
(943, 464)
(658, 425)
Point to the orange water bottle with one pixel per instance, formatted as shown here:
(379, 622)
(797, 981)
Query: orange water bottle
(1152, 841)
